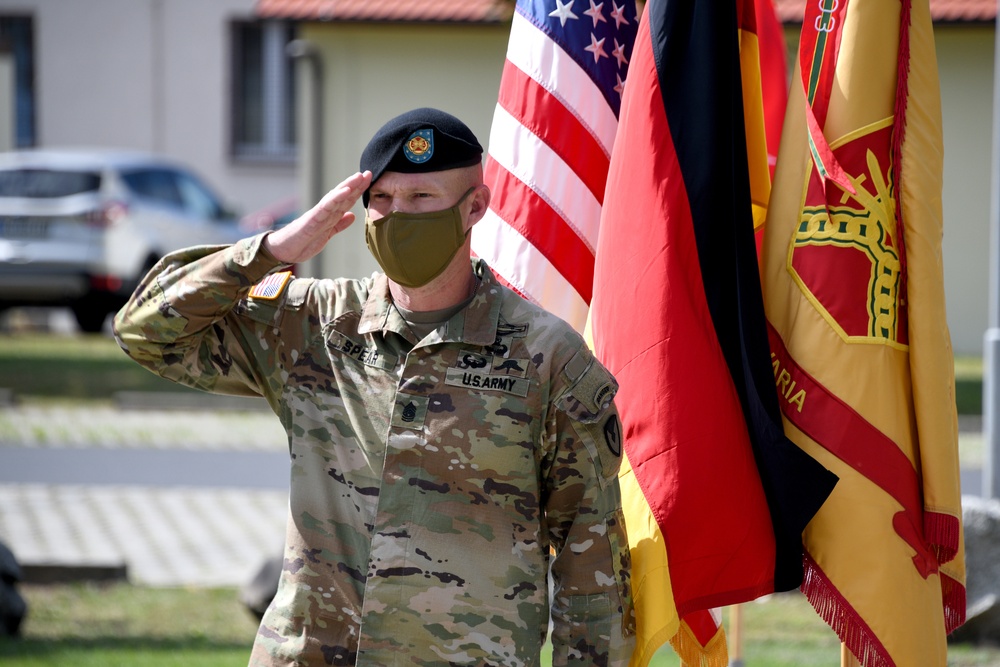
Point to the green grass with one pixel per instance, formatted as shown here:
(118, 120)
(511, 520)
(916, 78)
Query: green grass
(84, 367)
(969, 385)
(119, 625)
(93, 367)
(129, 626)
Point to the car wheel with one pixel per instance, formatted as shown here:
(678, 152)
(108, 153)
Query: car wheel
(90, 316)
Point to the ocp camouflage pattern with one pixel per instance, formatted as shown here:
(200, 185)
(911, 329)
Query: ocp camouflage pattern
(433, 483)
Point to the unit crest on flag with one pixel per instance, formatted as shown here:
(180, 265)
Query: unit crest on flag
(845, 253)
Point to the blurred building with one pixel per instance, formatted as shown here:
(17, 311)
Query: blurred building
(202, 81)
(211, 82)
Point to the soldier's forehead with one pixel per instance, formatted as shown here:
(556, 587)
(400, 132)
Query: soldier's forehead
(397, 181)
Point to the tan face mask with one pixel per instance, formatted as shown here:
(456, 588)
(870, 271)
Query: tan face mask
(415, 248)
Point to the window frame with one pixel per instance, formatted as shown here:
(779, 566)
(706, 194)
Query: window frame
(24, 56)
(278, 132)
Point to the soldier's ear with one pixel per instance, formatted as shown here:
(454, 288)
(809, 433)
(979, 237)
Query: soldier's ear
(480, 203)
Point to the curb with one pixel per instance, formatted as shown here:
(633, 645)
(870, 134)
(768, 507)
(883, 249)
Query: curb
(195, 400)
(51, 573)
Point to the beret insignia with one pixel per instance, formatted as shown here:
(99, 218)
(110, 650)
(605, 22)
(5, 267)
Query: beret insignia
(420, 141)
(420, 146)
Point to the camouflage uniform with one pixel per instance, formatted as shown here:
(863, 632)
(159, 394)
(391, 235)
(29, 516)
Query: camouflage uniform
(433, 482)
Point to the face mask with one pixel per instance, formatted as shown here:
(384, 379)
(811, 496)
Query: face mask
(415, 248)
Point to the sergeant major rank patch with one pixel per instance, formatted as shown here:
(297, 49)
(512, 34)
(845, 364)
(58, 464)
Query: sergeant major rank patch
(271, 287)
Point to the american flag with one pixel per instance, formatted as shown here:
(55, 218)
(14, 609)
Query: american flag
(271, 286)
(550, 146)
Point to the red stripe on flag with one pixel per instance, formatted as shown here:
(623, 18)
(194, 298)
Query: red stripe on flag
(836, 426)
(525, 211)
(822, 29)
(548, 119)
(746, 15)
(819, 48)
(773, 75)
(703, 625)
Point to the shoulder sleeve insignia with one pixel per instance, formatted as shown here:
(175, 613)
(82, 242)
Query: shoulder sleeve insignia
(591, 388)
(271, 286)
(613, 435)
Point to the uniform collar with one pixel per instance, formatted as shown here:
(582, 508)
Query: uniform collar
(475, 324)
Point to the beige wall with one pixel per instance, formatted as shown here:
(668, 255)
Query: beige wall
(145, 74)
(965, 62)
(373, 73)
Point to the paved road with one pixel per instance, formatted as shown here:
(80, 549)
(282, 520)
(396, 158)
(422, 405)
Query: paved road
(145, 467)
(179, 498)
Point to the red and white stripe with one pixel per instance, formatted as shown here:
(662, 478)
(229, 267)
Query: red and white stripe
(547, 166)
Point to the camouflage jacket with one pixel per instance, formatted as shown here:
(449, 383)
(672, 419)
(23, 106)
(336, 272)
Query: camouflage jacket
(433, 482)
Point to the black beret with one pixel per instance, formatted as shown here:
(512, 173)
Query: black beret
(419, 141)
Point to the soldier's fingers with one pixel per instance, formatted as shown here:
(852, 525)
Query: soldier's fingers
(345, 221)
(347, 192)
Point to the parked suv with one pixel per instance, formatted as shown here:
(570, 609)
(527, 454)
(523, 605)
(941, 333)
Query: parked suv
(81, 228)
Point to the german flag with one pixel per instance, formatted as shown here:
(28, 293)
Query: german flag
(716, 496)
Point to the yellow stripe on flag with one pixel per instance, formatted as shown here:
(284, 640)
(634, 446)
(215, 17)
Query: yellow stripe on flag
(753, 114)
(656, 616)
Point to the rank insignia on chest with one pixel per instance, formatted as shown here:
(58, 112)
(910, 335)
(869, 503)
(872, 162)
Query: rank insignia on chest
(409, 411)
(271, 287)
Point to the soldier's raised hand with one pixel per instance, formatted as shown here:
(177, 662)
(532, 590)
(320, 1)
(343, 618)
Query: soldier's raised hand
(307, 235)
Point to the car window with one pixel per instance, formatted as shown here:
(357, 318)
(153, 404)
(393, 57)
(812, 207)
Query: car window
(198, 199)
(174, 188)
(44, 183)
(158, 185)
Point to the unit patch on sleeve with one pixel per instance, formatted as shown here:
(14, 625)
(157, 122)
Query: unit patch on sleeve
(613, 435)
(271, 287)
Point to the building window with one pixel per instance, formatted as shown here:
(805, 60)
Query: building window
(17, 38)
(263, 101)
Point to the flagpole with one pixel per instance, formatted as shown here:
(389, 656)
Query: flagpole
(991, 343)
(847, 658)
(736, 635)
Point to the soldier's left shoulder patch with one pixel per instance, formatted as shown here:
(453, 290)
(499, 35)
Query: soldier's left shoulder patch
(271, 286)
(613, 434)
(591, 388)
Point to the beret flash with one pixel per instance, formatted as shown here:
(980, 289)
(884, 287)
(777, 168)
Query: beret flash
(421, 140)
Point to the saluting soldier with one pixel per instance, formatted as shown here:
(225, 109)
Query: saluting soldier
(450, 442)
